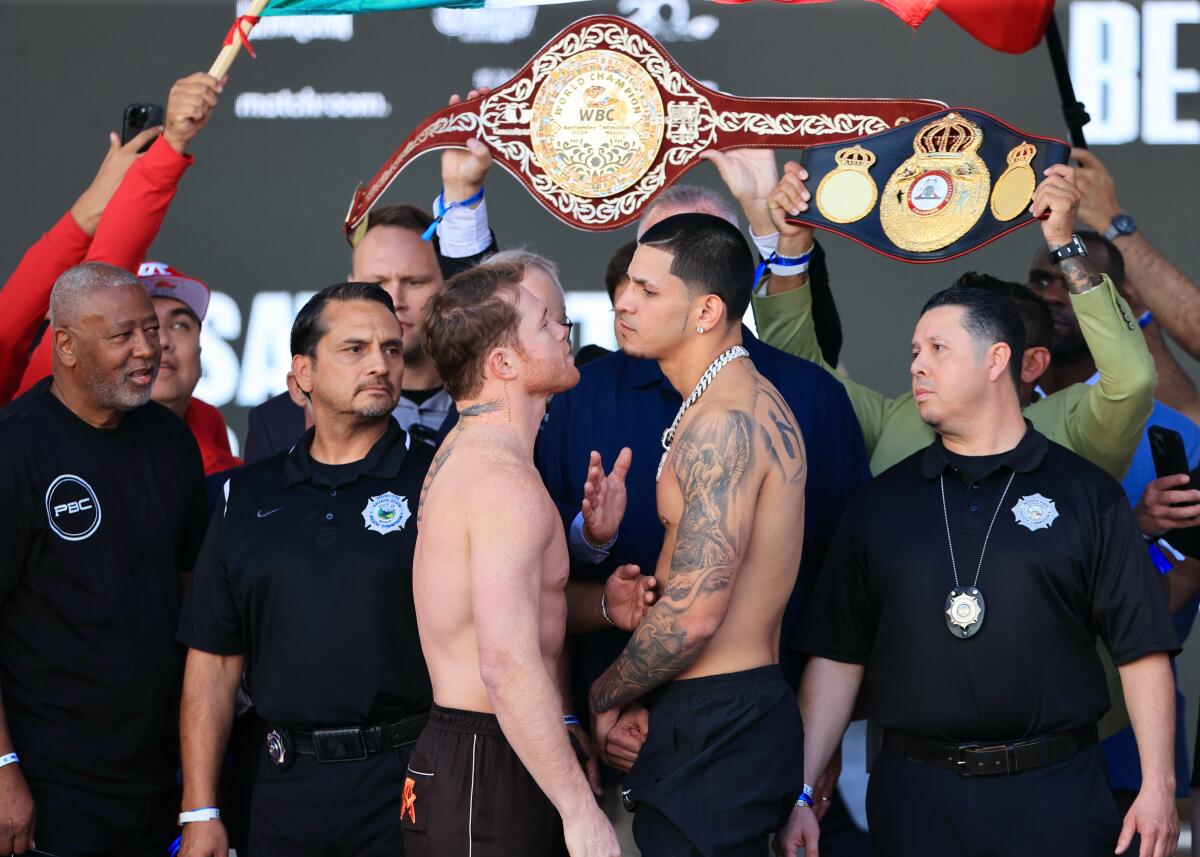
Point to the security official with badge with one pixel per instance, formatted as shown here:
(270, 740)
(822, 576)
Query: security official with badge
(969, 584)
(305, 583)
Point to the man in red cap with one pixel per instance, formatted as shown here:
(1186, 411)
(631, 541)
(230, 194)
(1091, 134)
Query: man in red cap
(181, 303)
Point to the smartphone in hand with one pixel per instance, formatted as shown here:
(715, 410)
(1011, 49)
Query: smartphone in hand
(139, 117)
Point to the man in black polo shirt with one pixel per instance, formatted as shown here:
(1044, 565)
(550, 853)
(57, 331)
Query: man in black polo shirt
(101, 509)
(970, 582)
(305, 582)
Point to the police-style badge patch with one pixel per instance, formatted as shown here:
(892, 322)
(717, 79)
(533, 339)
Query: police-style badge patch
(386, 513)
(1035, 512)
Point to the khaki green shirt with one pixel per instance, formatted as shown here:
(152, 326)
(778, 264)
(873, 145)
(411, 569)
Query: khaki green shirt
(1102, 422)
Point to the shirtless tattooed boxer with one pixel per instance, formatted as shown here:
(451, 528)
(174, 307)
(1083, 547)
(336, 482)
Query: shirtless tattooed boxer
(494, 774)
(721, 765)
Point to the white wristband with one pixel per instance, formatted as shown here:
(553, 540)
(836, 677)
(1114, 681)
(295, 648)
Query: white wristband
(8, 759)
(789, 270)
(765, 244)
(208, 813)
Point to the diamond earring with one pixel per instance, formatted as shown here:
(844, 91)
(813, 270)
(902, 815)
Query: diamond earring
(699, 330)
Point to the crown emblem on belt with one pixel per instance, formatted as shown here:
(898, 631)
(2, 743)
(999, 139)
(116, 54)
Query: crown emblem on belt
(855, 157)
(951, 135)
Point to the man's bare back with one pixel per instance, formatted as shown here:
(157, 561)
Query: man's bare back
(731, 498)
(473, 464)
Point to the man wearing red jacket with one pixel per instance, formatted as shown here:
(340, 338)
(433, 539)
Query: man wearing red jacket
(119, 231)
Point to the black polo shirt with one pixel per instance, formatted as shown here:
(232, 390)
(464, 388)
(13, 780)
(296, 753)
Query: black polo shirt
(1053, 579)
(95, 526)
(308, 573)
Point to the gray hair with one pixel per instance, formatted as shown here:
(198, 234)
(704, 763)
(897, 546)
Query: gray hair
(528, 259)
(75, 285)
(687, 199)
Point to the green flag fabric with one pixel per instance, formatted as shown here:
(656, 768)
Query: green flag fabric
(354, 7)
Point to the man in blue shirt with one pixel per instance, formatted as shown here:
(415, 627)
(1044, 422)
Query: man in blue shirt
(1120, 749)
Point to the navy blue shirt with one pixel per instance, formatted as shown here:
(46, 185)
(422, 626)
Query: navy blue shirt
(626, 401)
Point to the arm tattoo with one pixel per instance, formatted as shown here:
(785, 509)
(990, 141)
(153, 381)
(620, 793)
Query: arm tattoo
(1080, 275)
(713, 462)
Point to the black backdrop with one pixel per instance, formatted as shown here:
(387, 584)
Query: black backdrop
(258, 217)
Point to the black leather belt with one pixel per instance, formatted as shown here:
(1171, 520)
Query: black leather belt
(990, 759)
(347, 744)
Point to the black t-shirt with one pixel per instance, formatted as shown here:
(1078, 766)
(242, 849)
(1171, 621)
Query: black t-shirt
(97, 524)
(308, 573)
(1065, 563)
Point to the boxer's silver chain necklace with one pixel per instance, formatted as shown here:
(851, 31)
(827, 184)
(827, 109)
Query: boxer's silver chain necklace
(707, 378)
(965, 608)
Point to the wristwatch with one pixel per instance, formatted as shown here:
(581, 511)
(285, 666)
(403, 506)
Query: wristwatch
(1122, 224)
(1074, 247)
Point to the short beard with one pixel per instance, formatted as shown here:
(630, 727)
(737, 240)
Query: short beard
(371, 413)
(546, 379)
(119, 395)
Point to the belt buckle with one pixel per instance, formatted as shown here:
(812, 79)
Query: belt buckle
(964, 769)
(960, 759)
(340, 745)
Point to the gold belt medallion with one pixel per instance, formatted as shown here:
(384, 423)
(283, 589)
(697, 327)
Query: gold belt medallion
(597, 123)
(938, 194)
(848, 193)
(1014, 188)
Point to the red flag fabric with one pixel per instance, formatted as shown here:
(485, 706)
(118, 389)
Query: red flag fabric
(1012, 26)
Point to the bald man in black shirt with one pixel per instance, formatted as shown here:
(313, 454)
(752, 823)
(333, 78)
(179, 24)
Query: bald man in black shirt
(989, 704)
(101, 508)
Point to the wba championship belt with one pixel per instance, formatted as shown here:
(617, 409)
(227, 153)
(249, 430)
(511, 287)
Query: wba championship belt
(602, 120)
(951, 183)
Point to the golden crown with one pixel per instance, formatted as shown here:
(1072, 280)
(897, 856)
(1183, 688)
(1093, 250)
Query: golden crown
(1022, 154)
(855, 156)
(950, 135)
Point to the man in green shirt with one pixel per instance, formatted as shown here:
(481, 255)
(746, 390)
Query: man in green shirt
(1102, 422)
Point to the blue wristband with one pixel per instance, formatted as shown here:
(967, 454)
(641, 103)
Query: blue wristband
(441, 209)
(806, 797)
(1144, 319)
(1159, 558)
(783, 262)
(8, 759)
(570, 720)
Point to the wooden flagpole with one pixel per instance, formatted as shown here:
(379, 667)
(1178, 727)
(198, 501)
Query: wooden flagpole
(238, 33)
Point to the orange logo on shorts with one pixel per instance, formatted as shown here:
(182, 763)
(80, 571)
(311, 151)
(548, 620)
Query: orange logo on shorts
(409, 806)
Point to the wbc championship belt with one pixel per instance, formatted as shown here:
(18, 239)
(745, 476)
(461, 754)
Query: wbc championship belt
(931, 190)
(602, 119)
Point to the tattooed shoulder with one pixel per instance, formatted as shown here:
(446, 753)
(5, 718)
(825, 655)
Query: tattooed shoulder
(780, 433)
(439, 461)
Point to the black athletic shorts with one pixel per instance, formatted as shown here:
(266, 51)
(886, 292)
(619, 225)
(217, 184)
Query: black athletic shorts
(721, 767)
(468, 795)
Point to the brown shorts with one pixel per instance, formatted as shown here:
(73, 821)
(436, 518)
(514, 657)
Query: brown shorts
(468, 795)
